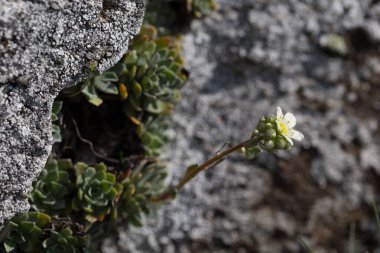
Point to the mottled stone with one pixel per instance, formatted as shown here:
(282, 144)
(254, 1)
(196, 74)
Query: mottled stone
(44, 47)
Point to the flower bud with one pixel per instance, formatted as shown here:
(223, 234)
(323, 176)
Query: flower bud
(281, 143)
(288, 145)
(251, 152)
(255, 133)
(271, 120)
(261, 127)
(270, 134)
(269, 145)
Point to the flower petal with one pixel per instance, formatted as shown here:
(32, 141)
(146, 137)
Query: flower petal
(298, 136)
(290, 120)
(278, 125)
(288, 139)
(279, 115)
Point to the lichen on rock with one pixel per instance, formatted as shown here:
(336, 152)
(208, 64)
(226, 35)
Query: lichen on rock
(46, 46)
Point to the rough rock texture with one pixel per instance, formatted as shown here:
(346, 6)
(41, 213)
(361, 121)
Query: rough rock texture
(46, 46)
(245, 59)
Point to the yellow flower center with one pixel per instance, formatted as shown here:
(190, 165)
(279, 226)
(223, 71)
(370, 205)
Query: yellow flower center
(283, 128)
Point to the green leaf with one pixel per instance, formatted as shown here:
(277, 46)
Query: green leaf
(91, 95)
(137, 89)
(42, 219)
(65, 164)
(131, 57)
(132, 72)
(57, 106)
(158, 107)
(90, 172)
(80, 167)
(56, 133)
(106, 83)
(101, 167)
(142, 69)
(54, 117)
(135, 220)
(135, 102)
(150, 48)
(9, 245)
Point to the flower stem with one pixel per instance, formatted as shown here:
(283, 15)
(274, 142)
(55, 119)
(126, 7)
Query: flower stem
(190, 174)
(218, 157)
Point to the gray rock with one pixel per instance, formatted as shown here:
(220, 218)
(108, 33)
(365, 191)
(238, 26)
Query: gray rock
(373, 29)
(44, 47)
(245, 59)
(369, 157)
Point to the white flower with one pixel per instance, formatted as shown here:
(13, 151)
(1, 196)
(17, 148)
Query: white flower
(285, 125)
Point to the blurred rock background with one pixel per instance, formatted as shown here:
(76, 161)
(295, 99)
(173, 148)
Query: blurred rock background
(317, 59)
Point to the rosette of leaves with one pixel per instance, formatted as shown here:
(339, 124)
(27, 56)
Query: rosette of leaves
(24, 233)
(52, 190)
(148, 77)
(151, 76)
(146, 180)
(148, 81)
(64, 241)
(97, 190)
(56, 131)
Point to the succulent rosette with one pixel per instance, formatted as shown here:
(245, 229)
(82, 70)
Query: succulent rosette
(147, 179)
(97, 190)
(24, 232)
(51, 192)
(64, 241)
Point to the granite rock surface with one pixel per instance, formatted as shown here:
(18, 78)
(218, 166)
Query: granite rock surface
(46, 46)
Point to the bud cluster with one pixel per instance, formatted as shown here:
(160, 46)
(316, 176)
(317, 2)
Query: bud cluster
(269, 137)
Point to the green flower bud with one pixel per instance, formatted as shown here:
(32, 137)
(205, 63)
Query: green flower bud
(261, 127)
(251, 152)
(255, 133)
(269, 145)
(270, 134)
(281, 143)
(288, 145)
(270, 119)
